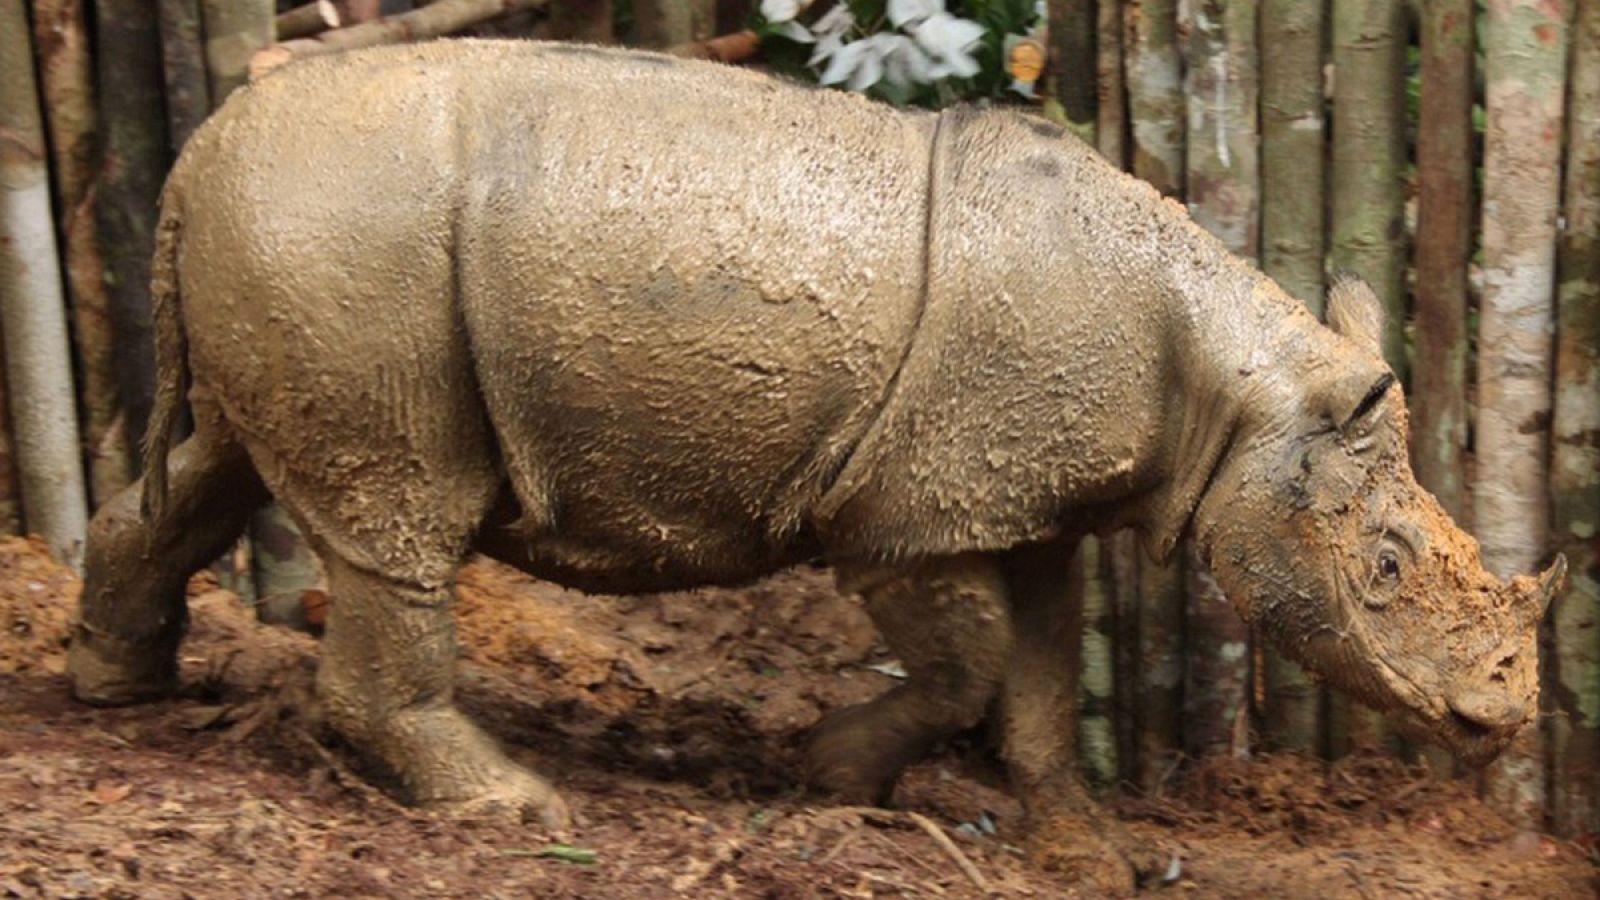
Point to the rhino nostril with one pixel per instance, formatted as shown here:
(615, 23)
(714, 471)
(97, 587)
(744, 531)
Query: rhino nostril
(1473, 729)
(1482, 711)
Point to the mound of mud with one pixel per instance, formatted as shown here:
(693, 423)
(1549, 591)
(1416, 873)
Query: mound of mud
(673, 725)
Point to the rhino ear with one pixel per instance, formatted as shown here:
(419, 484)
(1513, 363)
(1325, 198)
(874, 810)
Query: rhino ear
(1354, 311)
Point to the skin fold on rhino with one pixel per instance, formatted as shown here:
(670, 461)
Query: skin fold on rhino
(633, 323)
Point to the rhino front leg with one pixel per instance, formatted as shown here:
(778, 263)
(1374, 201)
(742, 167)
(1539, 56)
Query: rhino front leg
(387, 680)
(946, 621)
(1068, 831)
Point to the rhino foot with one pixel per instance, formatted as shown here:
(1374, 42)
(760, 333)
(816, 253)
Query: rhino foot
(106, 671)
(1084, 850)
(857, 753)
(520, 797)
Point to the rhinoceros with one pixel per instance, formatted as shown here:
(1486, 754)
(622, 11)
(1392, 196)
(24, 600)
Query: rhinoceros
(634, 323)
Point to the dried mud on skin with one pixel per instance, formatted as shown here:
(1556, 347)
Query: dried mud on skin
(674, 725)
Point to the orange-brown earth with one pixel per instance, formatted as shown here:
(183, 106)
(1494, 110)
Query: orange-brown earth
(674, 724)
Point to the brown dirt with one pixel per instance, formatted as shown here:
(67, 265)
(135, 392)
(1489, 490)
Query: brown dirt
(673, 723)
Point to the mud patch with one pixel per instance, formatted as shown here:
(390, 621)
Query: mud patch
(673, 723)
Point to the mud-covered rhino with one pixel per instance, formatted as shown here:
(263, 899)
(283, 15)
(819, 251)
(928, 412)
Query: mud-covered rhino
(632, 323)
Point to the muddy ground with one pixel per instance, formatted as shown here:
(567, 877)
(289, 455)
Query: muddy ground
(674, 725)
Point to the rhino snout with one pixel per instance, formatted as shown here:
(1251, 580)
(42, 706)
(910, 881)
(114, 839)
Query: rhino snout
(1486, 710)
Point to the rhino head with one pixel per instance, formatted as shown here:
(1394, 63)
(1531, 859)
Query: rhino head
(1317, 530)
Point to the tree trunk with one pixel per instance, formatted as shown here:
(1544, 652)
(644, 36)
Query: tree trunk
(235, 31)
(1155, 95)
(1444, 246)
(1111, 97)
(67, 83)
(1369, 156)
(1097, 736)
(1293, 136)
(1525, 59)
(670, 23)
(133, 162)
(33, 314)
(1224, 197)
(1160, 709)
(1072, 61)
(183, 62)
(1575, 453)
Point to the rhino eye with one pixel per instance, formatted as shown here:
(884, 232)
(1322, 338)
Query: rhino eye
(1388, 565)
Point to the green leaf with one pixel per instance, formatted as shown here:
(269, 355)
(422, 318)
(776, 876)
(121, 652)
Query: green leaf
(581, 856)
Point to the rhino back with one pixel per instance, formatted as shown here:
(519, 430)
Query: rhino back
(681, 290)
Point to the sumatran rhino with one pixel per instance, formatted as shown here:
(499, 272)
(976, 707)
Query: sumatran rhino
(635, 324)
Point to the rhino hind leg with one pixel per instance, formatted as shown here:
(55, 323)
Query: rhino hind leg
(132, 613)
(1068, 832)
(387, 682)
(945, 620)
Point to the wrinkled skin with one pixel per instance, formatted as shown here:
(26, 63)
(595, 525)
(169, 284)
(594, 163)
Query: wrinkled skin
(633, 323)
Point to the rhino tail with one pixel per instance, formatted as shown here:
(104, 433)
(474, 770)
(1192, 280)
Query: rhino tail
(172, 357)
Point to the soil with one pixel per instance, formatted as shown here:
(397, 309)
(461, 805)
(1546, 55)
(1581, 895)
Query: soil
(674, 724)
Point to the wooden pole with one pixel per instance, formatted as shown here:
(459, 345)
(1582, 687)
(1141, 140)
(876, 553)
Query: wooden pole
(1159, 737)
(1369, 156)
(67, 83)
(1111, 95)
(133, 161)
(1097, 712)
(1154, 70)
(1224, 196)
(183, 63)
(670, 23)
(33, 315)
(235, 31)
(1073, 62)
(1293, 132)
(1444, 248)
(1525, 68)
(304, 21)
(1575, 453)
(434, 20)
(1366, 226)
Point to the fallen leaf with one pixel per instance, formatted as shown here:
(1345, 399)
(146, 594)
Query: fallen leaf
(107, 794)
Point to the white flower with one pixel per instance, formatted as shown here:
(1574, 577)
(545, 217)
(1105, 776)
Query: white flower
(904, 62)
(776, 11)
(832, 28)
(903, 11)
(947, 39)
(794, 31)
(837, 21)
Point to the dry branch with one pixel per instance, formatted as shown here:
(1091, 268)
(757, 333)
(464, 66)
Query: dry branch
(434, 20)
(303, 21)
(728, 48)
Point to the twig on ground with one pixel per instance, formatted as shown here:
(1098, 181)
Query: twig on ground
(950, 849)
